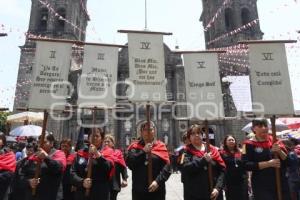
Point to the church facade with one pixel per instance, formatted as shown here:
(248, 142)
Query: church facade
(67, 19)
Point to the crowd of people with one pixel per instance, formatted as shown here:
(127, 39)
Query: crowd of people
(96, 170)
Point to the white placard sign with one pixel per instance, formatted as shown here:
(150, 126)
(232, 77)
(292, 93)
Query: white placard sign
(98, 80)
(241, 92)
(146, 67)
(49, 88)
(269, 76)
(203, 87)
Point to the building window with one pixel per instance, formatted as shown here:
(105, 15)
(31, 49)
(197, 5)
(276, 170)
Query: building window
(60, 23)
(245, 16)
(43, 20)
(229, 19)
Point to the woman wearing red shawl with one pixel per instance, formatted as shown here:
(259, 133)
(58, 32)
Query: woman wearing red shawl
(258, 157)
(137, 161)
(53, 163)
(20, 183)
(102, 168)
(120, 168)
(7, 166)
(236, 178)
(194, 168)
(68, 189)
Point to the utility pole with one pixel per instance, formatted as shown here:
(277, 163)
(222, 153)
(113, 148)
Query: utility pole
(146, 20)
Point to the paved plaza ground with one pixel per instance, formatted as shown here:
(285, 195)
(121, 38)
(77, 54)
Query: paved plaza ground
(173, 185)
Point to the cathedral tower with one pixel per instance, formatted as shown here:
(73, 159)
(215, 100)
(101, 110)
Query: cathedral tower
(238, 17)
(60, 19)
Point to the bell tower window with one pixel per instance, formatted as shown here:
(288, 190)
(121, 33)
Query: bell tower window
(43, 20)
(245, 14)
(60, 23)
(229, 19)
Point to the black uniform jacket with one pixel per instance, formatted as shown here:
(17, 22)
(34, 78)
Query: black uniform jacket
(66, 180)
(236, 176)
(137, 162)
(264, 180)
(102, 168)
(51, 172)
(7, 168)
(194, 170)
(120, 170)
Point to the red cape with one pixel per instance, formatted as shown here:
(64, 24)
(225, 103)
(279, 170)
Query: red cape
(8, 162)
(158, 149)
(34, 158)
(70, 158)
(235, 154)
(213, 151)
(107, 153)
(58, 155)
(266, 144)
(118, 158)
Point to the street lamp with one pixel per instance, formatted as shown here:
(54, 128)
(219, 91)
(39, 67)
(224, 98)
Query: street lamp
(3, 34)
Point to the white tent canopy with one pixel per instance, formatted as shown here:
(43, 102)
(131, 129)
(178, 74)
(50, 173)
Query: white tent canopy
(26, 131)
(29, 116)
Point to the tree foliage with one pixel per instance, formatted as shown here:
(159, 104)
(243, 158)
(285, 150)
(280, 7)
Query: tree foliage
(3, 117)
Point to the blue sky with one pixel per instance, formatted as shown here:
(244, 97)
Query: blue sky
(279, 19)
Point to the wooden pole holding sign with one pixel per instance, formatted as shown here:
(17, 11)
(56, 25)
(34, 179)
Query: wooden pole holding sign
(277, 170)
(209, 166)
(90, 161)
(147, 49)
(149, 154)
(41, 143)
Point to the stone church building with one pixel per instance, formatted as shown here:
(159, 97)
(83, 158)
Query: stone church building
(68, 19)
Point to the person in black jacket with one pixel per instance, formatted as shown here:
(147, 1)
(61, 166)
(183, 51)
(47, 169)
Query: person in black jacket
(293, 168)
(258, 157)
(7, 167)
(102, 164)
(236, 178)
(53, 163)
(20, 184)
(68, 189)
(141, 155)
(194, 168)
(120, 168)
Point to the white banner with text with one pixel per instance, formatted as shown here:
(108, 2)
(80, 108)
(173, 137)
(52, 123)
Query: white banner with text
(50, 87)
(270, 81)
(98, 81)
(203, 87)
(147, 80)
